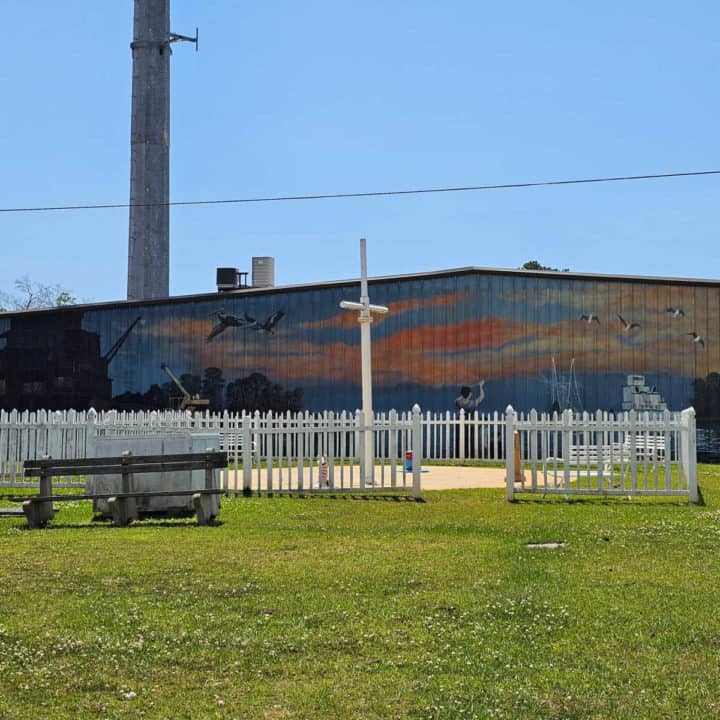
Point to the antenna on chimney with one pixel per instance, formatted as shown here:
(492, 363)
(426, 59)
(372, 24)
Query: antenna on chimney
(174, 37)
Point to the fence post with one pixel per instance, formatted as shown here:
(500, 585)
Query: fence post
(567, 421)
(517, 451)
(689, 448)
(246, 453)
(509, 454)
(461, 436)
(123, 508)
(45, 510)
(417, 451)
(632, 422)
(331, 454)
(211, 502)
(668, 448)
(427, 439)
(359, 421)
(393, 446)
(533, 435)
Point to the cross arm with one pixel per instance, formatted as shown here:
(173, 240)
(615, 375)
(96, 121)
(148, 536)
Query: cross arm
(349, 305)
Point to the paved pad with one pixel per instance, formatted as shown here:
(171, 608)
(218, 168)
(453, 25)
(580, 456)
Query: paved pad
(434, 477)
(441, 477)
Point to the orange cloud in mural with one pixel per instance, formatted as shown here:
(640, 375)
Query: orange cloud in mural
(349, 320)
(489, 347)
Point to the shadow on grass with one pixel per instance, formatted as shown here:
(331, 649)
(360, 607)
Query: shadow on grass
(107, 525)
(329, 495)
(616, 500)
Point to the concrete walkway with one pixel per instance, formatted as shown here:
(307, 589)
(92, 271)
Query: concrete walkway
(441, 477)
(434, 477)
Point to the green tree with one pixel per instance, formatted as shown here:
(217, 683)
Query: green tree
(156, 396)
(213, 386)
(535, 265)
(192, 383)
(257, 392)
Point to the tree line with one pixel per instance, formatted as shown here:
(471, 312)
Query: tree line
(254, 392)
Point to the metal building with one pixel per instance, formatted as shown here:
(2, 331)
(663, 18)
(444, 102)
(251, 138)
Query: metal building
(488, 337)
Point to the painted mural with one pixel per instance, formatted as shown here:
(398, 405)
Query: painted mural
(472, 339)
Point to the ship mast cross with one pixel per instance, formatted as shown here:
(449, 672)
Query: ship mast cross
(365, 311)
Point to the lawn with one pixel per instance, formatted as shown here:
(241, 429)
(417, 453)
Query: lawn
(331, 607)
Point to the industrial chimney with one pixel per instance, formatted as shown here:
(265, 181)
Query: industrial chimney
(149, 237)
(149, 242)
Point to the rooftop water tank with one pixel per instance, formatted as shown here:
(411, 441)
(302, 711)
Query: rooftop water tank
(263, 272)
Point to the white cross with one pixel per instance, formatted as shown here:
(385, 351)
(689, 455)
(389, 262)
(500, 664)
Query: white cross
(365, 318)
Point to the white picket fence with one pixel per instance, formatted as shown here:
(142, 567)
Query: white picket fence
(463, 436)
(627, 454)
(267, 452)
(67, 434)
(602, 454)
(302, 453)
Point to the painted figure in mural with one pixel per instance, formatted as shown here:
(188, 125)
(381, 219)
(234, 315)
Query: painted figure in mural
(627, 326)
(266, 326)
(696, 338)
(590, 317)
(466, 400)
(675, 312)
(224, 321)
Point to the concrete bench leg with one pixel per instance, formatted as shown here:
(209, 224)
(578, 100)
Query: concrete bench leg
(205, 508)
(38, 513)
(124, 510)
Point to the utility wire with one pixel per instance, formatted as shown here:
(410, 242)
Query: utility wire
(384, 193)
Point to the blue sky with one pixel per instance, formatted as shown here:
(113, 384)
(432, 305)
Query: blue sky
(290, 98)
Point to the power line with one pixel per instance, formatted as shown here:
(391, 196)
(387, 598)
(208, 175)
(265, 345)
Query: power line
(382, 193)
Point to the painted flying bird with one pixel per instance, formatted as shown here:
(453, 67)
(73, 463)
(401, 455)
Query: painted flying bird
(590, 318)
(696, 338)
(224, 321)
(675, 312)
(266, 326)
(627, 325)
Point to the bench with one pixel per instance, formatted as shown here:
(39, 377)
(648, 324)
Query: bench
(231, 441)
(606, 455)
(39, 509)
(588, 459)
(647, 447)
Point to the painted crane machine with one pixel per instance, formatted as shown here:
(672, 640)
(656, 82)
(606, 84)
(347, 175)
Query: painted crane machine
(187, 401)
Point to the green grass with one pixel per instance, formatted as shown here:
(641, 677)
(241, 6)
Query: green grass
(327, 607)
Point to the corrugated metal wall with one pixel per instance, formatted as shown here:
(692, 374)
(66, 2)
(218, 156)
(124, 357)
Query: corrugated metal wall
(442, 332)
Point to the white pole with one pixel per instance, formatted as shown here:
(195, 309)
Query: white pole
(365, 319)
(365, 310)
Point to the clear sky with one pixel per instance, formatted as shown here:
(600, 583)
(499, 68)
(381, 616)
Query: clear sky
(333, 96)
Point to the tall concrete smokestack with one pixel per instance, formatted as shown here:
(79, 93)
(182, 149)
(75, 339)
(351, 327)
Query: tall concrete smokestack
(149, 242)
